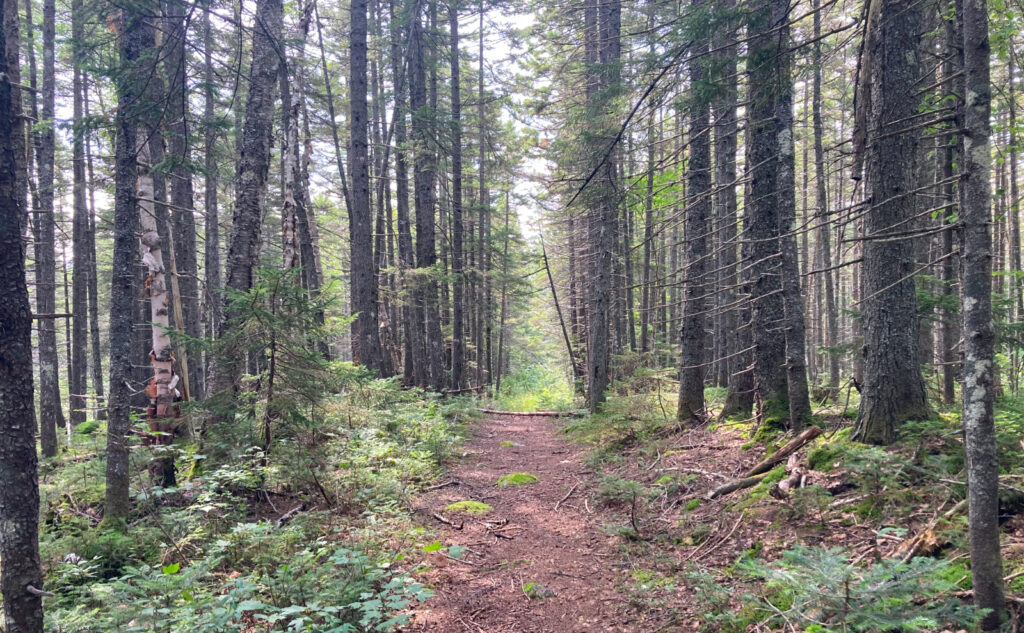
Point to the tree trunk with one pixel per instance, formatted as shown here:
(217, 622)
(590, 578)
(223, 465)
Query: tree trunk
(250, 189)
(162, 387)
(366, 348)
(789, 266)
(182, 244)
(892, 389)
(50, 413)
(698, 215)
(406, 256)
(768, 314)
(980, 450)
(96, 360)
(80, 230)
(604, 203)
(724, 107)
(458, 309)
(831, 338)
(19, 494)
(211, 251)
(130, 89)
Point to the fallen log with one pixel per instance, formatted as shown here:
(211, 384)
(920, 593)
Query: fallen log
(791, 447)
(754, 476)
(549, 414)
(736, 484)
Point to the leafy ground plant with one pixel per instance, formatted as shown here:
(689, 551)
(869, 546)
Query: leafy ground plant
(821, 590)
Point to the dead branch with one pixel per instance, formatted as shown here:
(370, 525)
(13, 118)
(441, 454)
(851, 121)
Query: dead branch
(791, 447)
(446, 521)
(567, 495)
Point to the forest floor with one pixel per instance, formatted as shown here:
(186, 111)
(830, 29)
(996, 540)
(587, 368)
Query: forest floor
(563, 554)
(618, 534)
(539, 560)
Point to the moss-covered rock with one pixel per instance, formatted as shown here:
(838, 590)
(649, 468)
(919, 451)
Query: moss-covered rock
(518, 479)
(469, 507)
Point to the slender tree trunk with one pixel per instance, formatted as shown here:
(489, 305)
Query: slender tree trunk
(162, 387)
(831, 338)
(96, 361)
(980, 450)
(406, 256)
(182, 245)
(458, 308)
(250, 188)
(211, 252)
(80, 231)
(724, 108)
(50, 414)
(431, 355)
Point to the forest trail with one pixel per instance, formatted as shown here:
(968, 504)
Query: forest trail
(563, 551)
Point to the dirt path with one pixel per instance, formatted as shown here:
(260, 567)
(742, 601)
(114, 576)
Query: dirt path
(565, 551)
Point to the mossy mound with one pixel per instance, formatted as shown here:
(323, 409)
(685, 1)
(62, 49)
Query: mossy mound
(508, 443)
(518, 479)
(469, 507)
(86, 428)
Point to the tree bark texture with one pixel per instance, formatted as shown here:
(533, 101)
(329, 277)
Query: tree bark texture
(19, 494)
(892, 389)
(980, 450)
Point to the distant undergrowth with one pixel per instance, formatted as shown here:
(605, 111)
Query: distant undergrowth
(535, 388)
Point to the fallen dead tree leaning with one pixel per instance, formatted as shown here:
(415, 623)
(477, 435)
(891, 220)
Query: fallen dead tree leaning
(754, 476)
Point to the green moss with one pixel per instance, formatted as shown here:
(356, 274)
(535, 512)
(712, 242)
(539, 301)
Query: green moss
(87, 428)
(469, 507)
(518, 479)
(664, 480)
(508, 443)
(824, 458)
(692, 505)
(774, 421)
(760, 491)
(537, 591)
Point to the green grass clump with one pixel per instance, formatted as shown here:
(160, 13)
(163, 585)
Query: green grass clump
(518, 479)
(469, 507)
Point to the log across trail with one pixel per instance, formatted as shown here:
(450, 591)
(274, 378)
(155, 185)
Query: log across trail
(538, 561)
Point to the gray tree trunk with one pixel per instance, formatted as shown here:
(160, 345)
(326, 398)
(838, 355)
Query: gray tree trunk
(50, 410)
(80, 230)
(250, 188)
(182, 245)
(130, 91)
(212, 300)
(980, 450)
(789, 266)
(892, 389)
(458, 308)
